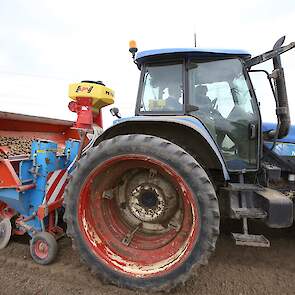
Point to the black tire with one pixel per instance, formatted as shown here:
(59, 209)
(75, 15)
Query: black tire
(194, 176)
(43, 248)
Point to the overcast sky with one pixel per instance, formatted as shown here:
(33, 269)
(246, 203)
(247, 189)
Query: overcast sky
(45, 45)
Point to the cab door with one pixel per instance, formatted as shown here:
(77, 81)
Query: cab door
(221, 93)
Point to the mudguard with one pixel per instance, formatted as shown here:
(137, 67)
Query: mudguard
(191, 122)
(284, 147)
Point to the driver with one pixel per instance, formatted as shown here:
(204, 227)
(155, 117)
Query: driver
(202, 100)
(174, 95)
(208, 114)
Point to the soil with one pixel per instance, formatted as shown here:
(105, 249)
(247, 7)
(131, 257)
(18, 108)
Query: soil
(231, 270)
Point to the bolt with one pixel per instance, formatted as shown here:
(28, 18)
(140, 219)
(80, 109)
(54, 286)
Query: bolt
(123, 205)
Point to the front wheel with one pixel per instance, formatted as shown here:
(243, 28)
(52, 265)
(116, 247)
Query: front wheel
(43, 248)
(142, 212)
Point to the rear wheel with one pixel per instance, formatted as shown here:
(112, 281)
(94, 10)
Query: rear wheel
(141, 212)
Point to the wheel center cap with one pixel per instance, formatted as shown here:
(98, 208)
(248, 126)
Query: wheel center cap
(148, 199)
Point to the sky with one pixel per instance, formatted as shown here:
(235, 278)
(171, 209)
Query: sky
(45, 45)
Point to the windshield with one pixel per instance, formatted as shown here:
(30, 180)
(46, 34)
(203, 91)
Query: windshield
(225, 106)
(162, 89)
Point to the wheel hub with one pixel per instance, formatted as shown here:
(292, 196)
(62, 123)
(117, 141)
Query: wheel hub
(147, 203)
(41, 249)
(147, 198)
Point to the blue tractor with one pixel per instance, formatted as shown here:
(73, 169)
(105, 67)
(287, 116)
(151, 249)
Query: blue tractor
(143, 207)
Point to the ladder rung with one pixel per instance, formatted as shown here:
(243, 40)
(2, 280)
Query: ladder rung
(250, 240)
(244, 187)
(256, 213)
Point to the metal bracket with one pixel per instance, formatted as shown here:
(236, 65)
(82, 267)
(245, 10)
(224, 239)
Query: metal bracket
(268, 55)
(129, 236)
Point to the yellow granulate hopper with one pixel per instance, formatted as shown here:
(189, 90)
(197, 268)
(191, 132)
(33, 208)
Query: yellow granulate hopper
(100, 94)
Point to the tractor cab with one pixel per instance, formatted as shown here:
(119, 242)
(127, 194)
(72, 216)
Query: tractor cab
(210, 85)
(214, 87)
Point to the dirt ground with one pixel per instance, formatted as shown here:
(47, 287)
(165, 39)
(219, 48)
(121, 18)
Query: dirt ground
(231, 270)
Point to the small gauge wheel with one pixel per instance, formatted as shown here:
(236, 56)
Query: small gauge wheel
(5, 232)
(43, 248)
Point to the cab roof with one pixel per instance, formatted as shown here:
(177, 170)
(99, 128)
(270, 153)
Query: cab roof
(202, 53)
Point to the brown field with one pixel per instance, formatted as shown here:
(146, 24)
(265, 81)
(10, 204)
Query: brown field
(231, 270)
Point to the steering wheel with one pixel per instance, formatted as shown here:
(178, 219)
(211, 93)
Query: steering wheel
(214, 103)
(213, 109)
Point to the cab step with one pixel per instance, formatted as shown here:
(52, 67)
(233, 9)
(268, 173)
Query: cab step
(238, 187)
(244, 212)
(253, 213)
(250, 240)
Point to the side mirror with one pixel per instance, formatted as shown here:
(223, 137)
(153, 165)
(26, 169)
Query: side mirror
(115, 112)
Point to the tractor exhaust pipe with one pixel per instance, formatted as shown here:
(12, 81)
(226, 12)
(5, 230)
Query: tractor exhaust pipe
(279, 89)
(282, 110)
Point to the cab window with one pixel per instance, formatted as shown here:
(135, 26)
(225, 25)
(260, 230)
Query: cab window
(162, 89)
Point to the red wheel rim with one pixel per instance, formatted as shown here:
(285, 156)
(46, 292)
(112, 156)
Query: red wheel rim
(104, 228)
(41, 249)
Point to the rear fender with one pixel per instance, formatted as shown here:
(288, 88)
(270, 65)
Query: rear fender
(187, 132)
